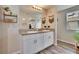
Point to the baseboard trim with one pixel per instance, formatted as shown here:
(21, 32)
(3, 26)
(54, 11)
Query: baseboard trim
(66, 42)
(16, 52)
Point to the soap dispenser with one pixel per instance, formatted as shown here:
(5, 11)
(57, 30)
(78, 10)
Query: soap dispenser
(30, 27)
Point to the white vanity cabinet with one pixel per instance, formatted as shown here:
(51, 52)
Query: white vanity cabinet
(34, 43)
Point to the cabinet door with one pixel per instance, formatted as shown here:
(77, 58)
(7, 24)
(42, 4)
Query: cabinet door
(48, 39)
(29, 44)
(40, 42)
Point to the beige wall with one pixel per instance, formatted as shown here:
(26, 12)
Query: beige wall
(0, 38)
(11, 40)
(0, 33)
(3, 36)
(64, 34)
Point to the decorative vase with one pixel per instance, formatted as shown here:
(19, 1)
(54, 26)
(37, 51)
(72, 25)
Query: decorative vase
(7, 11)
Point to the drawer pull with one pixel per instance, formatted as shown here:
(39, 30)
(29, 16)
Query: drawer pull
(49, 37)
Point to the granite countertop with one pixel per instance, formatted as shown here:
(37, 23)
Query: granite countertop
(24, 32)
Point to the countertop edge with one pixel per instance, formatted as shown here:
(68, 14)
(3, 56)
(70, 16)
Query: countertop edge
(36, 32)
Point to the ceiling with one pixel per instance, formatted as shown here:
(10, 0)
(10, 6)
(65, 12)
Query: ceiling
(29, 10)
(63, 7)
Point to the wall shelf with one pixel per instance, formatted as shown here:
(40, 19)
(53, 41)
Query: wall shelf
(10, 18)
(10, 15)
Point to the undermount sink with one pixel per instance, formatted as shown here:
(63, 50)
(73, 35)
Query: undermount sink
(32, 31)
(45, 30)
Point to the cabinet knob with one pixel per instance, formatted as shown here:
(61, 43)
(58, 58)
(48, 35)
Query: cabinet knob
(35, 41)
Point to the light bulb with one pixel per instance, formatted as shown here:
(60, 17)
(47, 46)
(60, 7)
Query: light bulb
(36, 7)
(23, 19)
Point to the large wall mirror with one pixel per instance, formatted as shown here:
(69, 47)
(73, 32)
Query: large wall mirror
(33, 17)
(36, 20)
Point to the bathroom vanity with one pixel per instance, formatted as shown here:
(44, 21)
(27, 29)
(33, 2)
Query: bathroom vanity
(33, 42)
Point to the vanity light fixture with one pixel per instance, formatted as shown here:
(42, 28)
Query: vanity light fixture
(35, 7)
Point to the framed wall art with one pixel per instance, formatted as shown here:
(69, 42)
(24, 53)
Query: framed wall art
(43, 20)
(51, 19)
(10, 18)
